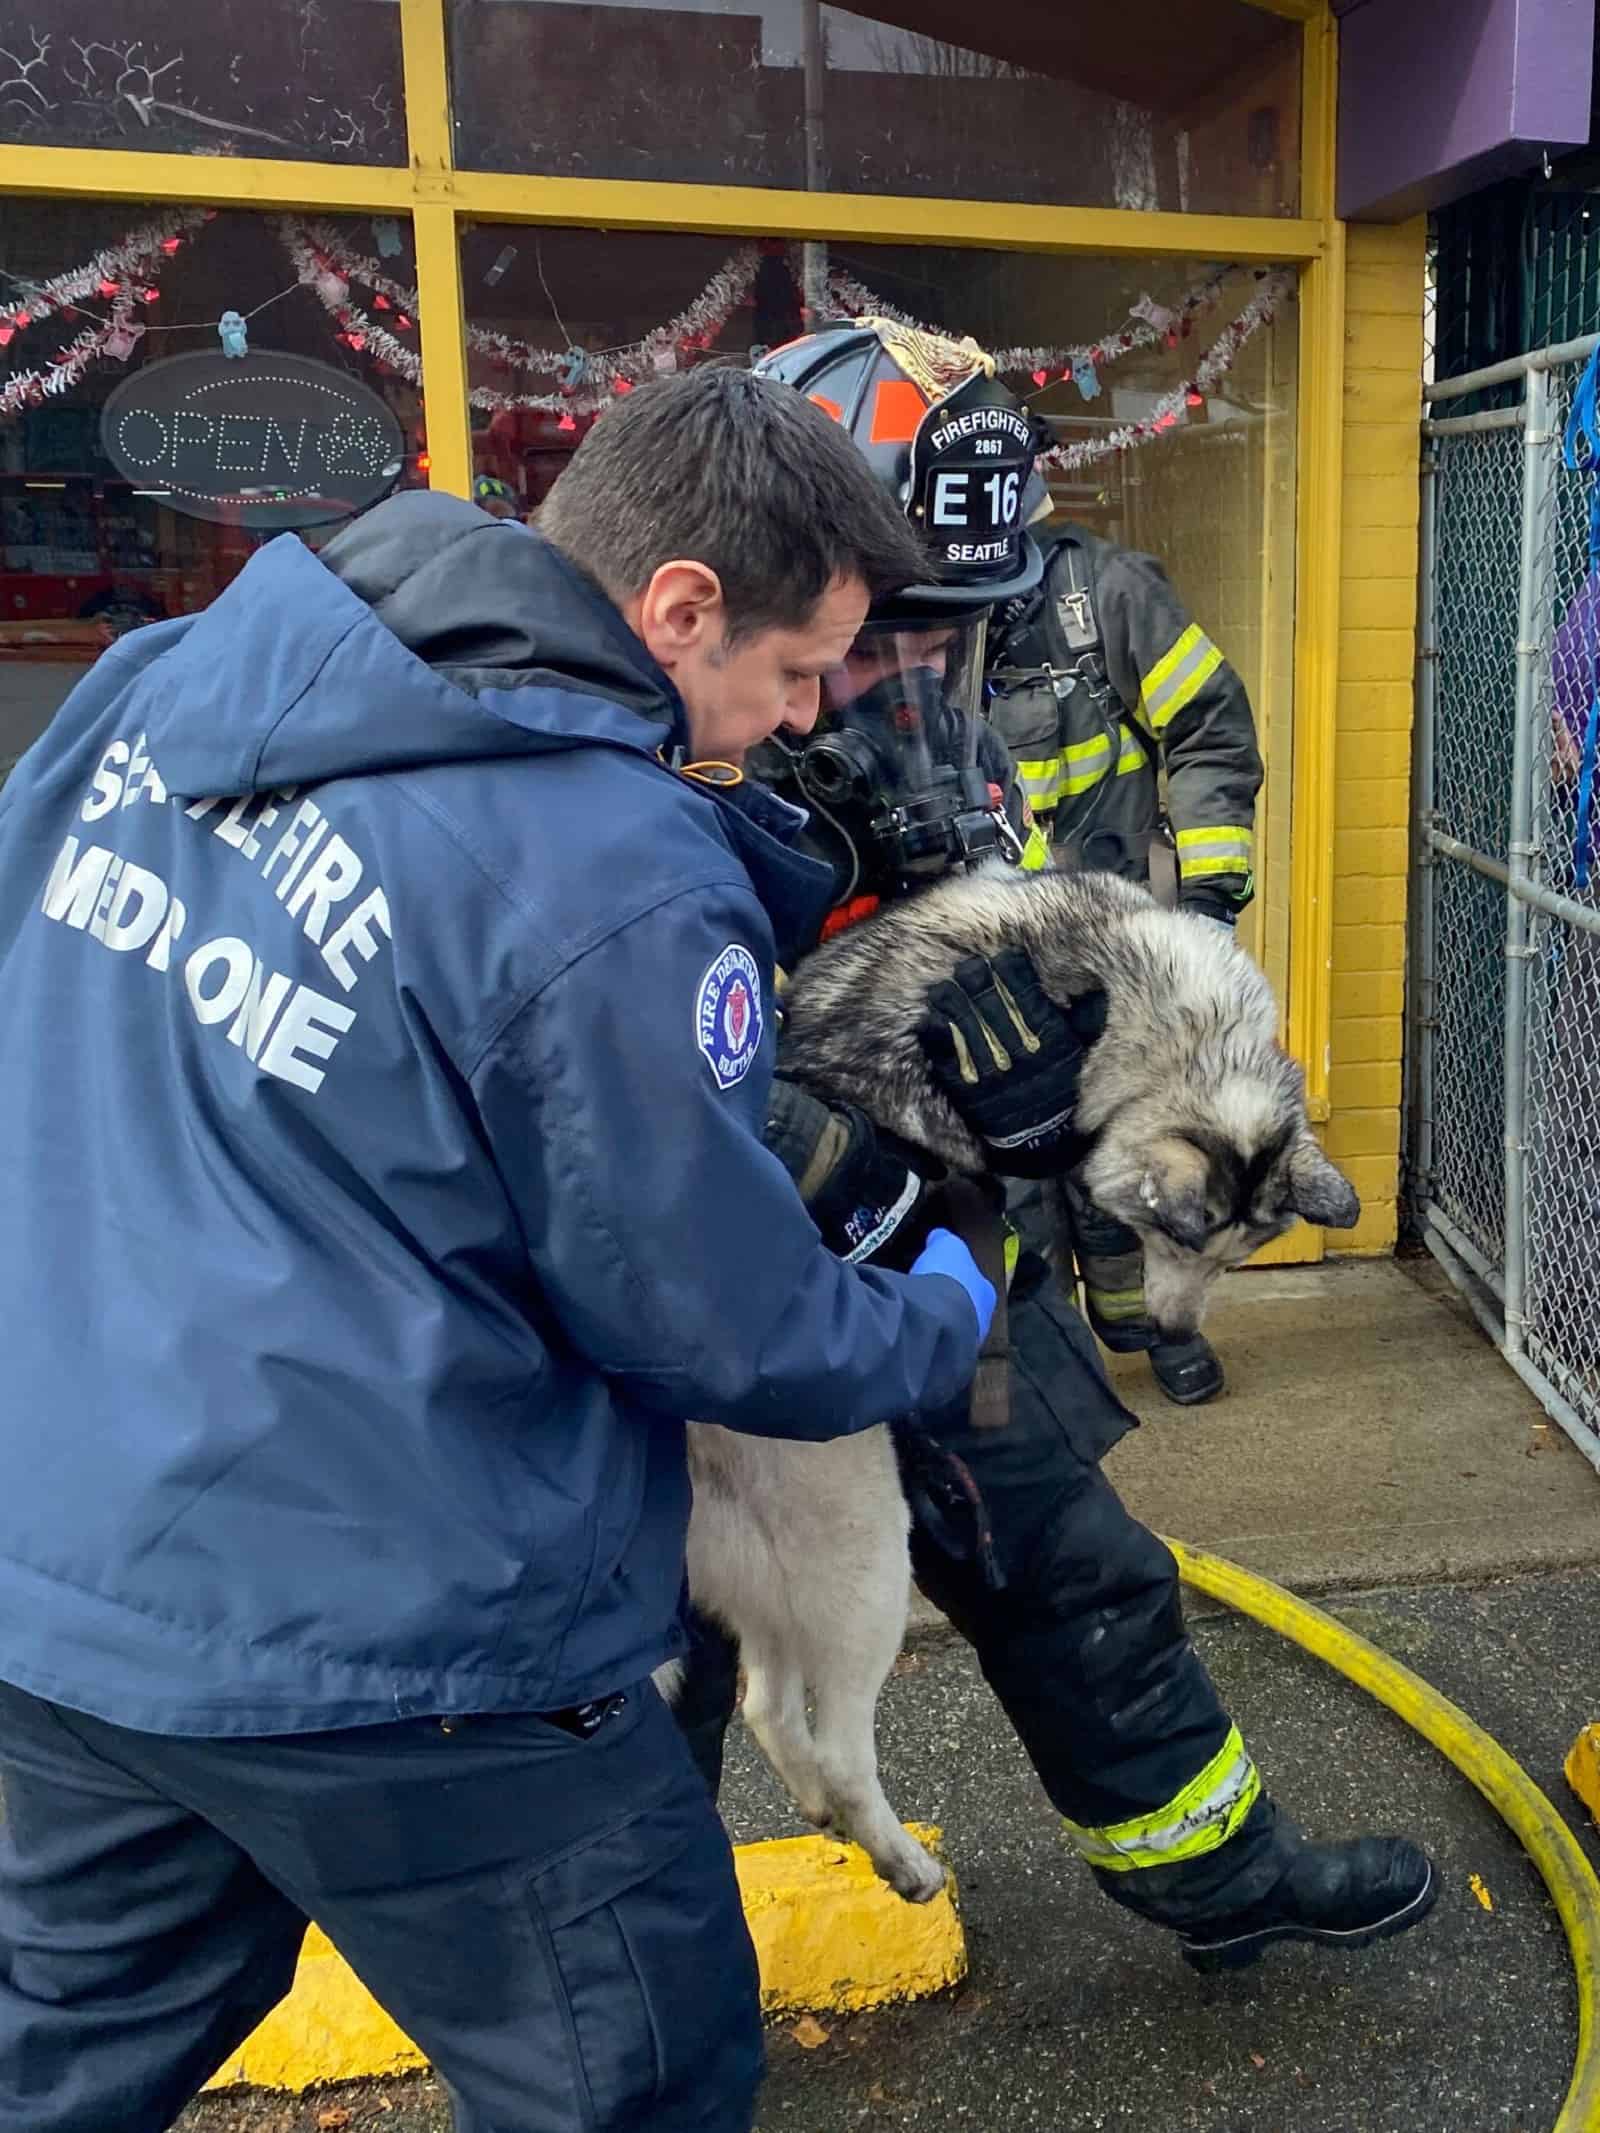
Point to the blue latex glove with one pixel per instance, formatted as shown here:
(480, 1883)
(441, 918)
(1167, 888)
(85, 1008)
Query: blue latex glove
(944, 1253)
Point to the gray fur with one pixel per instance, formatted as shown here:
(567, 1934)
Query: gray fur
(800, 1549)
(1187, 1086)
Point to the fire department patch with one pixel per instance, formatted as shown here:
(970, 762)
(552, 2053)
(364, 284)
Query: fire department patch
(727, 1015)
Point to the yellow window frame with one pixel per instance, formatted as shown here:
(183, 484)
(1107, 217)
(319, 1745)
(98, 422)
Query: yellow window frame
(438, 198)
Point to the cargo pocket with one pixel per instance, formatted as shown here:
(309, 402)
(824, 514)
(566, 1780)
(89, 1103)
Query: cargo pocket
(1028, 721)
(653, 1971)
(1060, 1383)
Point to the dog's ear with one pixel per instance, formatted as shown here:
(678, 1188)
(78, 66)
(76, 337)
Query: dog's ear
(1172, 1190)
(1317, 1191)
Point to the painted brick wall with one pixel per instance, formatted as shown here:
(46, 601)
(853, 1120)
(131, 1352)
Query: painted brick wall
(1377, 647)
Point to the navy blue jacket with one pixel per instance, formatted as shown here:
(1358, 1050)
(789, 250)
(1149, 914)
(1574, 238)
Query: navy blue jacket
(385, 1054)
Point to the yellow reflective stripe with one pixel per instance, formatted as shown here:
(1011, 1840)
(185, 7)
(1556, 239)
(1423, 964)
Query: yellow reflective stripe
(1185, 689)
(1013, 1254)
(1084, 764)
(1116, 1303)
(1230, 834)
(1083, 781)
(1096, 754)
(1202, 1816)
(1177, 678)
(1035, 852)
(1194, 869)
(1082, 752)
(1047, 779)
(1043, 780)
(1099, 748)
(1222, 849)
(1170, 661)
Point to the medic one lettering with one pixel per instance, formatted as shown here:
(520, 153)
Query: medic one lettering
(282, 1027)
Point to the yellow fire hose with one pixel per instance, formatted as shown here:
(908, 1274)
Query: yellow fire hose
(1504, 1784)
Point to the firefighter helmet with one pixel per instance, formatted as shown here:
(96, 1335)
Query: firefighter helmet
(951, 443)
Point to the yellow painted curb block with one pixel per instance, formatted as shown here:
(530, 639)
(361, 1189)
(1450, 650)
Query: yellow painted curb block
(1582, 1767)
(829, 1936)
(330, 2028)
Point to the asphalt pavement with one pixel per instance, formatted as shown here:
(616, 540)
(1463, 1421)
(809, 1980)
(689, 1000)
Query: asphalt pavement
(1077, 2016)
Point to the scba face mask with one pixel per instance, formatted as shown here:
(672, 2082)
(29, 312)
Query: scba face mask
(892, 769)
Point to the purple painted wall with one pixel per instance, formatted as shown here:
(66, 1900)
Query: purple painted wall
(1437, 97)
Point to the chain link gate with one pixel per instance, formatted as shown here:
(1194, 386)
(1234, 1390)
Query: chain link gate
(1504, 1052)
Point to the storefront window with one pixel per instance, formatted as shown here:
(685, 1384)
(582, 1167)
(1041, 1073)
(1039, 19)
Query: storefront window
(1170, 387)
(303, 78)
(101, 527)
(1134, 106)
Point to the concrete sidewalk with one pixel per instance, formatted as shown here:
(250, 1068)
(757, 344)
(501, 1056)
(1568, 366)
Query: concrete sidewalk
(1369, 1435)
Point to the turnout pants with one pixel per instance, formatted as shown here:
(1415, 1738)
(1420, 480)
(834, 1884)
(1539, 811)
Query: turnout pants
(1110, 1260)
(1072, 1608)
(553, 1918)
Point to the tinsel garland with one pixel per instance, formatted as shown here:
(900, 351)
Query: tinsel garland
(1173, 407)
(31, 388)
(120, 269)
(320, 269)
(118, 274)
(357, 329)
(327, 265)
(589, 379)
(1149, 325)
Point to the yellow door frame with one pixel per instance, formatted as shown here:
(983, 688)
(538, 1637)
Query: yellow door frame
(1318, 528)
(439, 198)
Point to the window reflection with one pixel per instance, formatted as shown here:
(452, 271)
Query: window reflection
(85, 553)
(1128, 107)
(312, 79)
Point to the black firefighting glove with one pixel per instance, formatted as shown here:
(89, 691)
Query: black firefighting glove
(863, 1187)
(1009, 1061)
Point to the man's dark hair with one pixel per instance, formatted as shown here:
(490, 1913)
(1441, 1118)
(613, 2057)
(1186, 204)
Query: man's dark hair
(742, 474)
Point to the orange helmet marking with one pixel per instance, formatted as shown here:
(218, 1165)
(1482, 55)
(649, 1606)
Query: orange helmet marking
(897, 407)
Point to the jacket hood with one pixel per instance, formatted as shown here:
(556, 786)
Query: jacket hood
(426, 632)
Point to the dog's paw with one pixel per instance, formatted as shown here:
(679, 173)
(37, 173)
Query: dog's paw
(914, 1874)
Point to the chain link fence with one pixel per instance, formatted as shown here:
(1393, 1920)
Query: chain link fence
(1504, 1127)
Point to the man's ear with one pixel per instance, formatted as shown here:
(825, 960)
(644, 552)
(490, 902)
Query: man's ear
(1162, 1186)
(680, 612)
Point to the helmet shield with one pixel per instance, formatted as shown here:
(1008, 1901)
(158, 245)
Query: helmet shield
(971, 459)
(948, 441)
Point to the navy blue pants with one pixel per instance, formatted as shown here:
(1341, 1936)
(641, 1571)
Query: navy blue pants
(553, 1919)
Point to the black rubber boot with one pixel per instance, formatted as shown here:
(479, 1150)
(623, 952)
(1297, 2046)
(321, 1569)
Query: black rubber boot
(1187, 1371)
(1337, 1895)
(1137, 1338)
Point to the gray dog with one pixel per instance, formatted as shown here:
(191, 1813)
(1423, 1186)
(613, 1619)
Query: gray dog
(1200, 1144)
